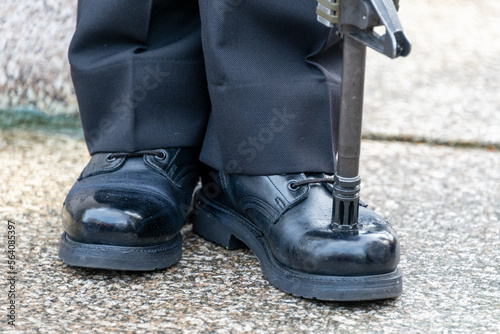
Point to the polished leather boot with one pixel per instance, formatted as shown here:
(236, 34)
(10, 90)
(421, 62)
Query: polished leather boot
(126, 210)
(286, 221)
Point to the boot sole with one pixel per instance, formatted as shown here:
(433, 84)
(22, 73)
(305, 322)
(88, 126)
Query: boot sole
(111, 257)
(228, 229)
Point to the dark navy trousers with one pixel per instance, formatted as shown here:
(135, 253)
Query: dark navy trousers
(249, 82)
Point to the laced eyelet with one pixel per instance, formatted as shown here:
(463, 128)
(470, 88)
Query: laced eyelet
(110, 158)
(161, 155)
(291, 186)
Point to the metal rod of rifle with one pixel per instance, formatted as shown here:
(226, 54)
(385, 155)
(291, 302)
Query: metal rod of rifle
(346, 188)
(351, 109)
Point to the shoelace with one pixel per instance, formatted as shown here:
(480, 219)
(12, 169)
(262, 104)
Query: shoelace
(297, 184)
(157, 153)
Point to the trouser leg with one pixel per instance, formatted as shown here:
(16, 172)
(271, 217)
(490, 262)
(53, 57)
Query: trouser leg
(138, 72)
(270, 89)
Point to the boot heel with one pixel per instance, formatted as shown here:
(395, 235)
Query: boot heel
(212, 228)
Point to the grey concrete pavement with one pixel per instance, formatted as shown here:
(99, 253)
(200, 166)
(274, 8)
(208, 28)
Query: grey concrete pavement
(444, 202)
(447, 89)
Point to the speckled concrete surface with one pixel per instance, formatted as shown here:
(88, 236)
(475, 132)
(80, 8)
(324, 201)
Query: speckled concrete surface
(444, 202)
(446, 90)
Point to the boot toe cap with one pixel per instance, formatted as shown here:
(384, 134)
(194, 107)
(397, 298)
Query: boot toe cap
(121, 217)
(372, 249)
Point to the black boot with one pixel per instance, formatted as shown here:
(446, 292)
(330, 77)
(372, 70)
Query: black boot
(288, 227)
(126, 210)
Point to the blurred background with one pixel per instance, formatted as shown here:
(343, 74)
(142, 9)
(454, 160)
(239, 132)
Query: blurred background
(447, 90)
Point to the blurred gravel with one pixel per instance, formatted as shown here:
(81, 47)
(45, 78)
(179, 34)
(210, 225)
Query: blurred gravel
(34, 70)
(444, 202)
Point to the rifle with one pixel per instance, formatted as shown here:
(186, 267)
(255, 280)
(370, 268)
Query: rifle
(355, 21)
